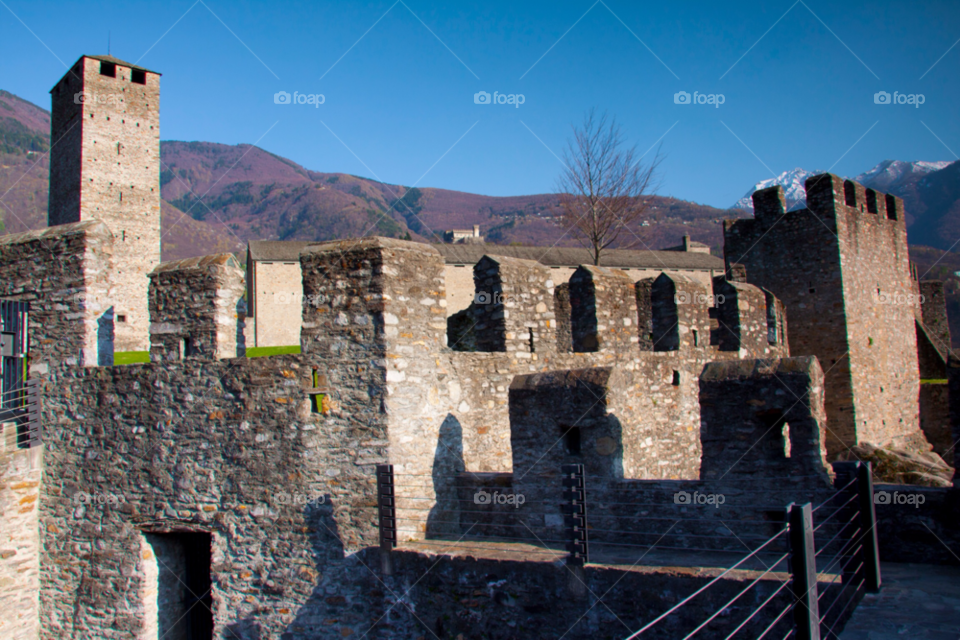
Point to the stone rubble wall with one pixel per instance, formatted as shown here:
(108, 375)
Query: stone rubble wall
(64, 273)
(603, 305)
(21, 472)
(513, 306)
(275, 456)
(680, 308)
(195, 300)
(763, 419)
(742, 314)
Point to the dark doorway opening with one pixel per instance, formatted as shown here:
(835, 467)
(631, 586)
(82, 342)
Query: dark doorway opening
(184, 601)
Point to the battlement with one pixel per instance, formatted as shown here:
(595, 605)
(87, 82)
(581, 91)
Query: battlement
(603, 310)
(360, 294)
(679, 313)
(193, 308)
(828, 195)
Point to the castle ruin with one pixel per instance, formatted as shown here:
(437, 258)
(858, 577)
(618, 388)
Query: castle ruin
(246, 485)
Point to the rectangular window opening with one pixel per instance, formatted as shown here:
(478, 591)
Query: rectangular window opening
(891, 207)
(531, 342)
(121, 318)
(571, 440)
(108, 69)
(676, 379)
(137, 76)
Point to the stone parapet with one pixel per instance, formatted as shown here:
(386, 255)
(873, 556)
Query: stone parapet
(194, 308)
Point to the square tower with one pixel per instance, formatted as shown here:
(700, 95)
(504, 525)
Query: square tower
(105, 165)
(841, 267)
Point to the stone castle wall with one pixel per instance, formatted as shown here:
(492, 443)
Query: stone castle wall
(118, 158)
(21, 471)
(193, 308)
(841, 269)
(64, 272)
(282, 449)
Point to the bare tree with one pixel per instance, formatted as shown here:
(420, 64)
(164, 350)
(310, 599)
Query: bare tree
(605, 188)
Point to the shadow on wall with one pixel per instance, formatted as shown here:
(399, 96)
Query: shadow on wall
(444, 517)
(329, 557)
(105, 333)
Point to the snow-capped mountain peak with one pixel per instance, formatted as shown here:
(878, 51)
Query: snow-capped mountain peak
(890, 176)
(793, 186)
(887, 175)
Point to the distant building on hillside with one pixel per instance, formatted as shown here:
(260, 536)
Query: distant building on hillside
(691, 246)
(274, 283)
(463, 236)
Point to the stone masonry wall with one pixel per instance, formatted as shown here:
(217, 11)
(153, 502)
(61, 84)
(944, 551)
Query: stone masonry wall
(604, 310)
(274, 457)
(20, 475)
(843, 274)
(513, 305)
(193, 308)
(742, 315)
(933, 312)
(63, 272)
(763, 418)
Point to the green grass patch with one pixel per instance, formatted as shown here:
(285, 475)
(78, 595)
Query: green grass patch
(259, 352)
(131, 357)
(933, 381)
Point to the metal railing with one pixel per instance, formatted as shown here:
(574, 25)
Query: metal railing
(807, 575)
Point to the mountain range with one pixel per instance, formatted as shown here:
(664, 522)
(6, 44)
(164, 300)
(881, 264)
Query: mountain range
(217, 197)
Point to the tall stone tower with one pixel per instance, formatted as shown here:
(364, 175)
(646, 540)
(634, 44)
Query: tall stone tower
(841, 267)
(105, 165)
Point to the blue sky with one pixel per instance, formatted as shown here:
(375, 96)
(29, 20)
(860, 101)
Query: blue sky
(798, 81)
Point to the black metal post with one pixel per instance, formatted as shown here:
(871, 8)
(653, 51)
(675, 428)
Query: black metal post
(868, 529)
(803, 567)
(386, 516)
(575, 514)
